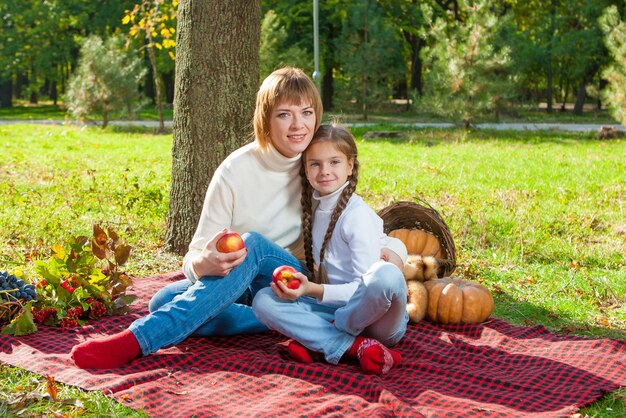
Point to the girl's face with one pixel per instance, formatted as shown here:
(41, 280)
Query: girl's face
(326, 167)
(292, 127)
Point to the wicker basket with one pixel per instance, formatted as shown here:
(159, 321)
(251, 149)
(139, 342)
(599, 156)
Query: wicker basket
(8, 311)
(412, 215)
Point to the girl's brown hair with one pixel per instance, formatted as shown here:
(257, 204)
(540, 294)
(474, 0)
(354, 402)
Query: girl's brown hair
(287, 84)
(343, 140)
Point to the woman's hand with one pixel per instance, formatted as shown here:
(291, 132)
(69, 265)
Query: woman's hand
(211, 262)
(306, 288)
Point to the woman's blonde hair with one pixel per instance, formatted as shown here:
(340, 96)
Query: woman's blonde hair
(287, 84)
(341, 138)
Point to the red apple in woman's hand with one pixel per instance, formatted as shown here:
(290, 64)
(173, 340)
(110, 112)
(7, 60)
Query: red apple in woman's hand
(229, 242)
(285, 274)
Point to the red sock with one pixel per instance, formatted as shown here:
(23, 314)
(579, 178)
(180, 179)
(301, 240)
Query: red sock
(374, 357)
(299, 352)
(107, 353)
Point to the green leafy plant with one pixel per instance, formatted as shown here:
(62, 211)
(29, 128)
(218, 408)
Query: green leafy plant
(83, 280)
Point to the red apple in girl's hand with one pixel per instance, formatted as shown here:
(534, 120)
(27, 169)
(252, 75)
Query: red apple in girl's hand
(229, 242)
(285, 274)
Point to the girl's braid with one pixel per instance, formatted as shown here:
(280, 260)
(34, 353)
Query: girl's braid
(307, 219)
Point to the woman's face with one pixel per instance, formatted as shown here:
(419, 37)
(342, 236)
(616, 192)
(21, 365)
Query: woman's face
(326, 167)
(292, 127)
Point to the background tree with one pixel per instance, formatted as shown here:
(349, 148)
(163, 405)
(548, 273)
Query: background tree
(217, 75)
(275, 51)
(106, 80)
(615, 93)
(468, 65)
(155, 20)
(372, 62)
(296, 17)
(559, 49)
(407, 16)
(40, 41)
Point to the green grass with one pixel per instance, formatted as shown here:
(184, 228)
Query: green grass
(22, 111)
(25, 112)
(538, 217)
(394, 113)
(24, 394)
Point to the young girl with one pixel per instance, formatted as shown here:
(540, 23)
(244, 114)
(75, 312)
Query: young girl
(328, 313)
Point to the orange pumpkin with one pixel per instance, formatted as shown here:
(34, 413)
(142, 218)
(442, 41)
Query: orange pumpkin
(419, 242)
(452, 300)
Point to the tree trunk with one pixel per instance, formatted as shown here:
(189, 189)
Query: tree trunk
(601, 85)
(148, 87)
(168, 82)
(417, 44)
(217, 75)
(328, 89)
(157, 87)
(54, 95)
(581, 96)
(328, 86)
(6, 92)
(365, 73)
(550, 70)
(20, 82)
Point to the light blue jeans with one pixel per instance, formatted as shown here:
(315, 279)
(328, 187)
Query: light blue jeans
(213, 305)
(377, 310)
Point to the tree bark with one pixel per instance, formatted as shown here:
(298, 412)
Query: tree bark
(217, 75)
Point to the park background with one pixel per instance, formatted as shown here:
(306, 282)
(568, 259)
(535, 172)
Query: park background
(505, 58)
(537, 217)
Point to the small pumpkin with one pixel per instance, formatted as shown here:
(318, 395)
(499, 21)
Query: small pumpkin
(420, 268)
(452, 300)
(417, 301)
(418, 241)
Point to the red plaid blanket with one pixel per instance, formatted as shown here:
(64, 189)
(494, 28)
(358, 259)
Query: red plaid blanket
(493, 369)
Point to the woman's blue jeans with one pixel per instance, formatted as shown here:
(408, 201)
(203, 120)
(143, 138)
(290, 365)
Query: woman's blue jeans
(377, 310)
(213, 305)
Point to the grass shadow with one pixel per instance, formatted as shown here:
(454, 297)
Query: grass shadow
(137, 129)
(523, 313)
(432, 136)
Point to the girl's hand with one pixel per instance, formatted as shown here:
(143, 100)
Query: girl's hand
(306, 288)
(211, 262)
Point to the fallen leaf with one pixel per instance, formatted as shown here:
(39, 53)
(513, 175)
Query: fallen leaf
(51, 388)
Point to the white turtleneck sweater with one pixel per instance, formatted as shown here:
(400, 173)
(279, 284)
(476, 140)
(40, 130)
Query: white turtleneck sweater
(252, 190)
(353, 247)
